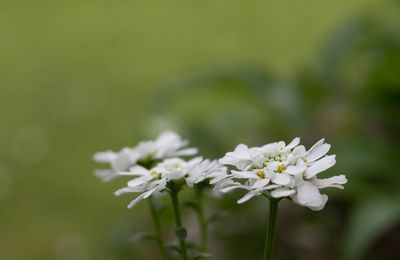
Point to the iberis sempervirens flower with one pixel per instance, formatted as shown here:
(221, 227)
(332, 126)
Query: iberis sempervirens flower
(278, 170)
(168, 144)
(169, 174)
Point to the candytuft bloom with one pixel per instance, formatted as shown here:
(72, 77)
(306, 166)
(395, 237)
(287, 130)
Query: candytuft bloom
(278, 170)
(172, 171)
(168, 144)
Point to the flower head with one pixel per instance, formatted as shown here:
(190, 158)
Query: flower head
(168, 144)
(279, 170)
(168, 174)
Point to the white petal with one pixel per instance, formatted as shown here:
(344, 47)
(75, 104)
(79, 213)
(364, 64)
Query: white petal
(243, 164)
(319, 143)
(309, 195)
(124, 160)
(318, 152)
(218, 179)
(295, 181)
(227, 160)
(168, 143)
(137, 182)
(230, 188)
(258, 159)
(320, 207)
(241, 148)
(334, 182)
(292, 144)
(160, 184)
(240, 164)
(295, 170)
(148, 193)
(244, 174)
(273, 166)
(144, 148)
(280, 178)
(246, 197)
(135, 201)
(280, 144)
(320, 165)
(175, 175)
(142, 196)
(217, 173)
(282, 192)
(270, 187)
(104, 157)
(190, 181)
(106, 175)
(185, 152)
(260, 183)
(127, 190)
(196, 160)
(136, 170)
(299, 150)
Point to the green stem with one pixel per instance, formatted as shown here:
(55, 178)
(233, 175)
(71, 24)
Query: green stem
(157, 229)
(273, 210)
(202, 221)
(175, 204)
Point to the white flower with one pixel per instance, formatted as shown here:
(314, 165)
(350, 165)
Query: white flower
(240, 157)
(172, 170)
(168, 144)
(279, 170)
(204, 170)
(147, 182)
(119, 161)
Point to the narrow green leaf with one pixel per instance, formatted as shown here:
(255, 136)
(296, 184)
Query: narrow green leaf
(174, 245)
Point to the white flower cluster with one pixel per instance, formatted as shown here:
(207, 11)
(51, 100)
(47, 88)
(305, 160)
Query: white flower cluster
(156, 164)
(275, 170)
(278, 170)
(176, 170)
(167, 145)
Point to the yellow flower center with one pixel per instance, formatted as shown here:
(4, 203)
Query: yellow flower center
(261, 174)
(281, 168)
(153, 173)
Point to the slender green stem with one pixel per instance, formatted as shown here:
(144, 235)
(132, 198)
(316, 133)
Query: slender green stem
(269, 241)
(182, 241)
(157, 229)
(202, 220)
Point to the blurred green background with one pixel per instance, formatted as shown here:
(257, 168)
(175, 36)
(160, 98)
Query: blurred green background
(77, 77)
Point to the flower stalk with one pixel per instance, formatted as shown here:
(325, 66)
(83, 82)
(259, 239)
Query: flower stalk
(202, 220)
(180, 230)
(157, 229)
(269, 240)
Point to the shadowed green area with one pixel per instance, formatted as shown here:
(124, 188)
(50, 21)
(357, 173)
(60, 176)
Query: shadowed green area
(82, 76)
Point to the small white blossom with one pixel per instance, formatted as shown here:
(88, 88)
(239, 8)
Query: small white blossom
(168, 144)
(279, 170)
(173, 170)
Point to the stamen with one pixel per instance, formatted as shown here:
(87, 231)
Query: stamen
(281, 168)
(261, 174)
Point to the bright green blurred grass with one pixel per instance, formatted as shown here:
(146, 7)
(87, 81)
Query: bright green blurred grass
(81, 76)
